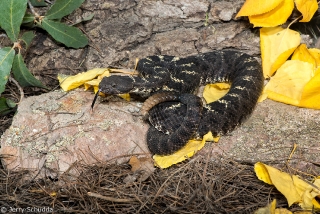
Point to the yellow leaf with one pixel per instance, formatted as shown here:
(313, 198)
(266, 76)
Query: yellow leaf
(307, 8)
(213, 92)
(125, 96)
(75, 81)
(262, 173)
(53, 194)
(254, 7)
(310, 95)
(269, 209)
(277, 44)
(316, 55)
(302, 53)
(92, 83)
(283, 211)
(186, 152)
(288, 83)
(291, 186)
(275, 17)
(263, 96)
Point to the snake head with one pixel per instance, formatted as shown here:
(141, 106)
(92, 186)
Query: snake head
(116, 85)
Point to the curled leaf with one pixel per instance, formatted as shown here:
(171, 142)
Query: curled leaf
(254, 7)
(302, 53)
(288, 84)
(277, 44)
(71, 82)
(213, 92)
(316, 55)
(307, 8)
(310, 97)
(275, 17)
(186, 152)
(6, 106)
(291, 186)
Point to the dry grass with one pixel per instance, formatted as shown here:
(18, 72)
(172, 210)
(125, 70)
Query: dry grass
(196, 186)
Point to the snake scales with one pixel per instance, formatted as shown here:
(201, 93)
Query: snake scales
(175, 113)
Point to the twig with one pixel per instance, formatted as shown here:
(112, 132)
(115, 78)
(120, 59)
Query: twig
(19, 87)
(32, 9)
(118, 200)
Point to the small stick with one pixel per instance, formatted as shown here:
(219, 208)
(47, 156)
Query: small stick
(19, 87)
(118, 200)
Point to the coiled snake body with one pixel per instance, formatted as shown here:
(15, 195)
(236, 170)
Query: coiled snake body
(176, 114)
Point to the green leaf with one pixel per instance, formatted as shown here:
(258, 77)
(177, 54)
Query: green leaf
(28, 18)
(6, 59)
(62, 8)
(38, 3)
(4, 107)
(68, 35)
(10, 103)
(11, 15)
(23, 75)
(27, 37)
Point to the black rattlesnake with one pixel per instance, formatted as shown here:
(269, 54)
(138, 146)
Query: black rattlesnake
(175, 113)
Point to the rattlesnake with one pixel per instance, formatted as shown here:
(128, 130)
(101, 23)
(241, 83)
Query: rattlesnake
(175, 113)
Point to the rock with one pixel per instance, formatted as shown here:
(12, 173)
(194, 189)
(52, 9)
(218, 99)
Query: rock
(269, 136)
(54, 130)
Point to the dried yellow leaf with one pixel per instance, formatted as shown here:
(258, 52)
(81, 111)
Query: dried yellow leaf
(275, 17)
(92, 83)
(53, 194)
(316, 55)
(277, 44)
(284, 211)
(213, 92)
(75, 81)
(307, 8)
(291, 186)
(254, 7)
(288, 83)
(186, 152)
(269, 209)
(310, 97)
(125, 96)
(262, 173)
(263, 96)
(302, 53)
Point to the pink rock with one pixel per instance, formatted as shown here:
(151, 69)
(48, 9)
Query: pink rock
(54, 130)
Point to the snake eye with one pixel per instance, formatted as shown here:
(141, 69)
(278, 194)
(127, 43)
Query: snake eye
(113, 85)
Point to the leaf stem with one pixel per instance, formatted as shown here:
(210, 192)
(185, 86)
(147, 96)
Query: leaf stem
(32, 9)
(18, 86)
(294, 21)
